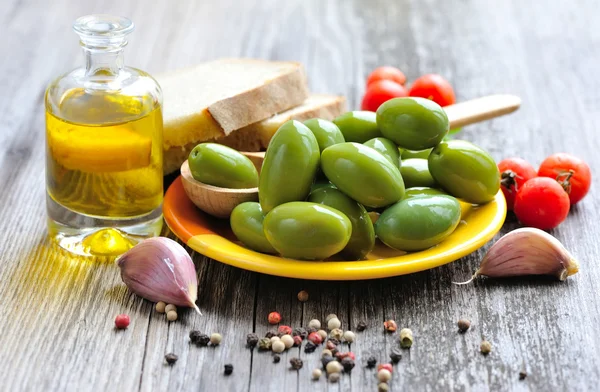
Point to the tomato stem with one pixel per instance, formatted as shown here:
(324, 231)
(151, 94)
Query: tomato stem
(564, 179)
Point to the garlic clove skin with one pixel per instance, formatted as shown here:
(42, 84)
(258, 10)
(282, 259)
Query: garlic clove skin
(159, 269)
(527, 251)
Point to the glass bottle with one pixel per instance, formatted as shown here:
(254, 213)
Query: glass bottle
(104, 130)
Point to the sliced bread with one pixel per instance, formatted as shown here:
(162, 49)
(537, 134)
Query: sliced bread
(256, 137)
(216, 98)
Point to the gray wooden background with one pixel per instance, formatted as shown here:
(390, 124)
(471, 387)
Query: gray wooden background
(57, 312)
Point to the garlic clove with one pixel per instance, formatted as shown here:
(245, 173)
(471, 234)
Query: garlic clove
(159, 269)
(527, 251)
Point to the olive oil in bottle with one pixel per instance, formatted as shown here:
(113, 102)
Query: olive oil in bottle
(103, 147)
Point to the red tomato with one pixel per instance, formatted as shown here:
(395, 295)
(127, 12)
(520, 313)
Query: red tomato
(386, 73)
(434, 87)
(380, 91)
(542, 203)
(514, 172)
(571, 172)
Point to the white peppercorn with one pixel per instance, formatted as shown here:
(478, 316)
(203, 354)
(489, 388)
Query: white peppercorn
(334, 323)
(160, 307)
(334, 367)
(322, 333)
(329, 317)
(384, 375)
(336, 333)
(287, 340)
(215, 339)
(314, 323)
(316, 374)
(170, 307)
(172, 315)
(349, 336)
(278, 346)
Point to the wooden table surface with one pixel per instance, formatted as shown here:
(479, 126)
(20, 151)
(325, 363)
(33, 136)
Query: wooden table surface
(56, 329)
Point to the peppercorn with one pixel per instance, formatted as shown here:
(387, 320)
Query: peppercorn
(325, 359)
(288, 340)
(300, 332)
(384, 375)
(315, 338)
(171, 358)
(326, 353)
(522, 375)
(386, 366)
(251, 340)
(371, 362)
(463, 325)
(160, 307)
(310, 330)
(383, 387)
(228, 369)
(270, 334)
(395, 355)
(170, 307)
(316, 374)
(171, 315)
(329, 317)
(274, 318)
(274, 339)
(202, 340)
(278, 346)
(333, 367)
(336, 333)
(334, 323)
(296, 363)
(303, 296)
(334, 377)
(297, 340)
(485, 348)
(310, 347)
(341, 356)
(122, 321)
(349, 336)
(215, 339)
(264, 344)
(361, 326)
(322, 333)
(406, 338)
(276, 358)
(348, 364)
(195, 336)
(332, 343)
(390, 326)
(284, 330)
(314, 323)
(334, 351)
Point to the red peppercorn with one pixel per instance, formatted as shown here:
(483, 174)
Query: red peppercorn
(122, 321)
(284, 330)
(387, 366)
(349, 354)
(297, 340)
(274, 318)
(390, 326)
(315, 338)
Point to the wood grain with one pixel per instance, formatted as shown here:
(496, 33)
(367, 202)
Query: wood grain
(57, 326)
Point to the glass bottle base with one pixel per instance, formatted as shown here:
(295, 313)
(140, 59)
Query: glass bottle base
(96, 236)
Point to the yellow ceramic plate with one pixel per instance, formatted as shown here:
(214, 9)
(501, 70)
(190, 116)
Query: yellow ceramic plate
(213, 238)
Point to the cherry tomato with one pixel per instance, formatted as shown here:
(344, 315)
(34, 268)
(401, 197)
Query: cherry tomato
(434, 87)
(514, 172)
(380, 91)
(572, 173)
(542, 203)
(386, 73)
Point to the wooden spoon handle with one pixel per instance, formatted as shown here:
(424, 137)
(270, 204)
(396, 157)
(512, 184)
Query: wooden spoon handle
(481, 109)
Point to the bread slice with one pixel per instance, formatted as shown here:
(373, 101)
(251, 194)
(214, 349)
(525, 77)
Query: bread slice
(216, 98)
(256, 137)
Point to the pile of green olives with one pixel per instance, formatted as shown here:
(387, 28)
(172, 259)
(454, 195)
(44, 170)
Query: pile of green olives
(321, 180)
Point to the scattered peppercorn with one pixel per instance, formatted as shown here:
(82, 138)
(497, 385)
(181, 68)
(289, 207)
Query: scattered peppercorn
(275, 338)
(334, 323)
(386, 366)
(390, 326)
(334, 377)
(215, 339)
(274, 318)
(122, 321)
(463, 325)
(383, 387)
(322, 333)
(251, 340)
(278, 346)
(371, 362)
(228, 369)
(160, 307)
(297, 340)
(335, 341)
(270, 334)
(171, 358)
(485, 348)
(406, 338)
(310, 330)
(316, 374)
(171, 315)
(325, 359)
(326, 353)
(349, 336)
(288, 340)
(303, 296)
(195, 336)
(384, 375)
(348, 364)
(315, 338)
(276, 358)
(336, 333)
(296, 363)
(284, 330)
(310, 347)
(329, 317)
(314, 323)
(361, 326)
(264, 344)
(522, 375)
(395, 355)
(334, 351)
(333, 367)
(300, 332)
(170, 307)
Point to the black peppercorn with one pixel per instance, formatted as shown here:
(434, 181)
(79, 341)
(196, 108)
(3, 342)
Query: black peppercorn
(251, 340)
(348, 364)
(361, 326)
(203, 340)
(270, 334)
(522, 375)
(276, 358)
(310, 347)
(334, 341)
(296, 363)
(195, 336)
(228, 369)
(300, 332)
(326, 359)
(395, 355)
(371, 362)
(171, 358)
(310, 330)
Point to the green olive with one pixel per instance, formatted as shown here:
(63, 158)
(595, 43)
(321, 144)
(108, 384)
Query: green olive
(218, 165)
(415, 172)
(321, 184)
(246, 222)
(412, 123)
(419, 222)
(465, 171)
(362, 239)
(407, 154)
(363, 174)
(307, 231)
(358, 126)
(385, 147)
(326, 132)
(290, 164)
(420, 191)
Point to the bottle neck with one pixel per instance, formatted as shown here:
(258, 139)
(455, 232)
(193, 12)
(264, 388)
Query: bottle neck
(103, 62)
